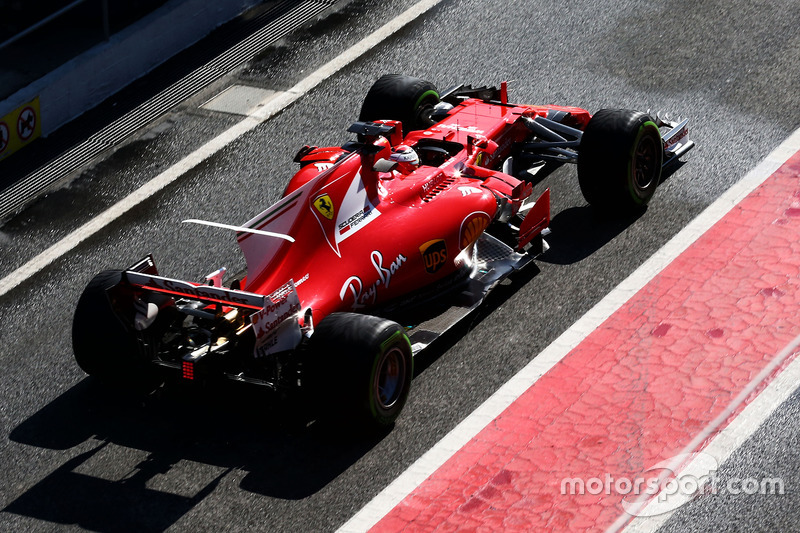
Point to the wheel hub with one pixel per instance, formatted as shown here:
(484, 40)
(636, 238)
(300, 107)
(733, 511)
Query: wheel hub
(390, 378)
(645, 161)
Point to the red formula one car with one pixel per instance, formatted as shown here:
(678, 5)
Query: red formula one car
(375, 249)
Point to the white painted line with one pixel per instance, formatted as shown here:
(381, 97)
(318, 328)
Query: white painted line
(426, 465)
(722, 446)
(272, 105)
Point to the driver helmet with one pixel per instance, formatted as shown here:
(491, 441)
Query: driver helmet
(406, 158)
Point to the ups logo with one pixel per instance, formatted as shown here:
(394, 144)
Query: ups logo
(434, 255)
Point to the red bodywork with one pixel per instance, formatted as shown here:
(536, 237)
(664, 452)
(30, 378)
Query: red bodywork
(363, 237)
(410, 249)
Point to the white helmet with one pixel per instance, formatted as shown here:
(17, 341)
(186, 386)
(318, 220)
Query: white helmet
(406, 158)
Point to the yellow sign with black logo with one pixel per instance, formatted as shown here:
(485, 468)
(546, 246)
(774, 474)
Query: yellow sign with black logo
(20, 127)
(434, 255)
(325, 206)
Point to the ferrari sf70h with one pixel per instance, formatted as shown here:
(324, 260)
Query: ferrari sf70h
(375, 249)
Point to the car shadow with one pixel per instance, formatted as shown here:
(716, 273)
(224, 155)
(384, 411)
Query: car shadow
(494, 300)
(224, 428)
(196, 437)
(578, 232)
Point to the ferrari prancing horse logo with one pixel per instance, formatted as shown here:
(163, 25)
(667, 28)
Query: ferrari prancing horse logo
(325, 206)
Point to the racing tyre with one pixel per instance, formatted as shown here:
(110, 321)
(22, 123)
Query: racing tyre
(619, 160)
(404, 98)
(360, 368)
(103, 346)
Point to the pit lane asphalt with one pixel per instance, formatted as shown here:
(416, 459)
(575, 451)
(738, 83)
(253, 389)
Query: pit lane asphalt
(74, 454)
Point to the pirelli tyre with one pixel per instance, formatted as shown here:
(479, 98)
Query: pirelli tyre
(104, 347)
(399, 97)
(619, 160)
(359, 369)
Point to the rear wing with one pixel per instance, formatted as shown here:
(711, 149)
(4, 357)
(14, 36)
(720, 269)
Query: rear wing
(274, 318)
(145, 276)
(204, 293)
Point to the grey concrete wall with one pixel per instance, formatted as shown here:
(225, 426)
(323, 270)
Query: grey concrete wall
(90, 78)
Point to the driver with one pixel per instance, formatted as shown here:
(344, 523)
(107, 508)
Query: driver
(406, 158)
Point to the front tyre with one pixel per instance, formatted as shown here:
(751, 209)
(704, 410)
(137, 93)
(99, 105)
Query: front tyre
(399, 97)
(360, 367)
(619, 160)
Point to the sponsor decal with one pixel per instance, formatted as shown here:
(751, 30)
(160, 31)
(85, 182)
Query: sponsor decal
(202, 292)
(678, 137)
(302, 280)
(322, 167)
(467, 129)
(466, 191)
(355, 220)
(283, 291)
(434, 255)
(355, 212)
(275, 325)
(472, 227)
(325, 206)
(351, 215)
(362, 294)
(435, 182)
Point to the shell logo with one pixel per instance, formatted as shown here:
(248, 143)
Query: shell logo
(472, 227)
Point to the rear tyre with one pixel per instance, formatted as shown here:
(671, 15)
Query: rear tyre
(399, 97)
(619, 160)
(360, 368)
(104, 347)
